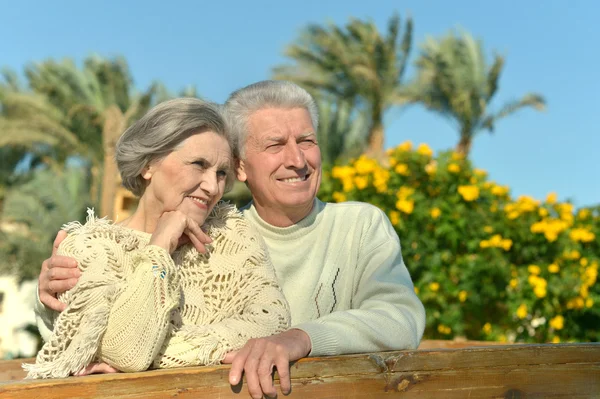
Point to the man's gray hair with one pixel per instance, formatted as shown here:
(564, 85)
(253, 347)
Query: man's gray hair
(265, 94)
(161, 131)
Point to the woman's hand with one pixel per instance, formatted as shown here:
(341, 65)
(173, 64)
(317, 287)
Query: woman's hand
(97, 368)
(174, 229)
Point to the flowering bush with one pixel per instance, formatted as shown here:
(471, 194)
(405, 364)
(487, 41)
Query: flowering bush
(486, 266)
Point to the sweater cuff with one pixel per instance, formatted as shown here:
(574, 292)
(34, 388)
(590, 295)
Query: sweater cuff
(322, 339)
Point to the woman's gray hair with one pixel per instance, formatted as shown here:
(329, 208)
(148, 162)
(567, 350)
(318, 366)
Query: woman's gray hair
(269, 93)
(161, 131)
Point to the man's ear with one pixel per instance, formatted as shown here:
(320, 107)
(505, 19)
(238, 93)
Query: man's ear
(240, 170)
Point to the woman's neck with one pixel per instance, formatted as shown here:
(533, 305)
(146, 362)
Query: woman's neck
(142, 219)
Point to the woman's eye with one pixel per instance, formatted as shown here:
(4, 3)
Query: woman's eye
(222, 174)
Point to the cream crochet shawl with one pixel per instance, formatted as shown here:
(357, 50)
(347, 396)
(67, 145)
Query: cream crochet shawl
(136, 307)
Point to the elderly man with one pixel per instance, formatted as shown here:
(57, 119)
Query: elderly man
(339, 265)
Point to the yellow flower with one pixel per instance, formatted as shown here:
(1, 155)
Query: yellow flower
(540, 291)
(506, 244)
(499, 190)
(557, 322)
(339, 197)
(435, 213)
(417, 290)
(364, 165)
(551, 198)
(431, 168)
(522, 311)
(453, 168)
(582, 235)
(573, 255)
(513, 283)
(556, 340)
(340, 172)
(584, 213)
(589, 303)
(361, 182)
(469, 193)
(576, 303)
(480, 172)
(442, 329)
(584, 262)
(434, 286)
(405, 147)
(487, 328)
(543, 212)
(457, 157)
(406, 206)
(402, 169)
(405, 192)
(424, 149)
(488, 229)
(394, 217)
(462, 296)
(534, 269)
(380, 179)
(553, 268)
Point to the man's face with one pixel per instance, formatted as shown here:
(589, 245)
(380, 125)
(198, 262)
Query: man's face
(282, 164)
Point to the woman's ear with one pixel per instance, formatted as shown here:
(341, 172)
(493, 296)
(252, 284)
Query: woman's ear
(147, 172)
(240, 170)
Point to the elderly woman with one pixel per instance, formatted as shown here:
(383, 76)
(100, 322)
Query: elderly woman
(150, 295)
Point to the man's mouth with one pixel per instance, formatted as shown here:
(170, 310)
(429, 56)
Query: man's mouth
(295, 179)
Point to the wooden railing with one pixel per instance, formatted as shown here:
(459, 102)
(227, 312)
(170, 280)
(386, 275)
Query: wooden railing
(458, 370)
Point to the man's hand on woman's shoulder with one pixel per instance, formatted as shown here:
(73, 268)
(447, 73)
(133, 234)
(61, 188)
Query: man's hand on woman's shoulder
(58, 274)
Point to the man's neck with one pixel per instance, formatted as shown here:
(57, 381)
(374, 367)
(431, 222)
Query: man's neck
(283, 217)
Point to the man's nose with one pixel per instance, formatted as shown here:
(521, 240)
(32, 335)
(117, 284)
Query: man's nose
(294, 156)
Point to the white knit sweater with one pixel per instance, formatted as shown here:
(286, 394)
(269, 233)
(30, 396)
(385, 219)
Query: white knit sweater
(342, 272)
(135, 306)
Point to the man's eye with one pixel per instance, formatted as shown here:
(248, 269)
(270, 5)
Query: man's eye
(201, 164)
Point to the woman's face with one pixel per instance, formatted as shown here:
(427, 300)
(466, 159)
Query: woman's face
(192, 178)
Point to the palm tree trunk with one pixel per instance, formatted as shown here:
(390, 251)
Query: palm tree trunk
(114, 125)
(464, 145)
(376, 135)
(94, 182)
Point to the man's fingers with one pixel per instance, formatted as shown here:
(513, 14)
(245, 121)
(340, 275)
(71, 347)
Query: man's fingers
(252, 379)
(265, 376)
(237, 366)
(59, 238)
(58, 261)
(283, 370)
(61, 273)
(52, 303)
(229, 357)
(60, 286)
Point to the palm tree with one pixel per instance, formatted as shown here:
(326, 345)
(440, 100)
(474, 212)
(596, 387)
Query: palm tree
(32, 214)
(454, 80)
(95, 104)
(356, 64)
(342, 131)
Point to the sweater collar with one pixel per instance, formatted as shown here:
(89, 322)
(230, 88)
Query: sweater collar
(294, 231)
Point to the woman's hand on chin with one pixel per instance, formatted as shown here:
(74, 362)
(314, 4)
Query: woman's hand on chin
(174, 228)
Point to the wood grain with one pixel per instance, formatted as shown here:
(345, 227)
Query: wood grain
(494, 371)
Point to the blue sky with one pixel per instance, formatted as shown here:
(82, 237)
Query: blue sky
(550, 48)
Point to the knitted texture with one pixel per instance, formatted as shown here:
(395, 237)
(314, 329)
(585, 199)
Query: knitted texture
(135, 305)
(342, 272)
